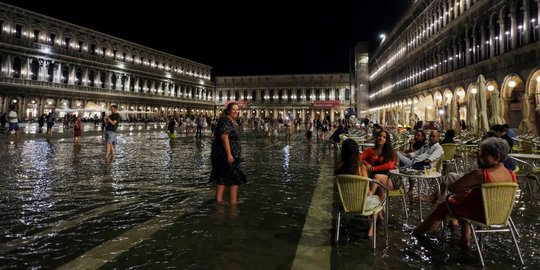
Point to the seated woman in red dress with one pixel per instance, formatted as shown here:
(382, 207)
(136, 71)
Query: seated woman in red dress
(491, 156)
(379, 160)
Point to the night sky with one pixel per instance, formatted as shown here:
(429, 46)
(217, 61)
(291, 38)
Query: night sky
(257, 37)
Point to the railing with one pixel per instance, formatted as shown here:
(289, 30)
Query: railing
(88, 89)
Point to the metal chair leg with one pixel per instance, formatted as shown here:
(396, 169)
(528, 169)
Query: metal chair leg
(374, 231)
(478, 247)
(516, 243)
(405, 205)
(513, 226)
(337, 226)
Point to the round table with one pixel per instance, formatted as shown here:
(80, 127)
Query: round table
(420, 177)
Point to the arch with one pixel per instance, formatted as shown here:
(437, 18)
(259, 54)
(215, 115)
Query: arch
(510, 83)
(533, 84)
(447, 96)
(437, 98)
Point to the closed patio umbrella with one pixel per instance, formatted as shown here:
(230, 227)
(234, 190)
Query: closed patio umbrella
(495, 103)
(472, 111)
(483, 124)
(454, 122)
(526, 126)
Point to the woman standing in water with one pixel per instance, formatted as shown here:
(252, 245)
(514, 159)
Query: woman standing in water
(226, 155)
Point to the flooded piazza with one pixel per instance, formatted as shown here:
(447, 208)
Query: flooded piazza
(151, 207)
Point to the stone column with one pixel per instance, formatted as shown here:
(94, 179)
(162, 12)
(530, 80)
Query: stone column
(108, 84)
(467, 51)
(58, 77)
(483, 50)
(502, 35)
(513, 29)
(526, 23)
(491, 39)
(85, 81)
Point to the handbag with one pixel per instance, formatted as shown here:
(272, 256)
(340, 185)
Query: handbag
(421, 165)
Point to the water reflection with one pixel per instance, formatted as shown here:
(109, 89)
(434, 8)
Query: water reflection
(61, 200)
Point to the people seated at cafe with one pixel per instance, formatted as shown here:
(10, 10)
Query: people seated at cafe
(375, 133)
(498, 131)
(449, 136)
(427, 155)
(335, 135)
(379, 160)
(417, 142)
(492, 152)
(349, 160)
(453, 177)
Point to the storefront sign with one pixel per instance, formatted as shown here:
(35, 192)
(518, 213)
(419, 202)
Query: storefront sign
(326, 104)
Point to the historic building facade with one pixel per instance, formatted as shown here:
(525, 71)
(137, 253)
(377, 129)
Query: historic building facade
(298, 96)
(452, 60)
(48, 64)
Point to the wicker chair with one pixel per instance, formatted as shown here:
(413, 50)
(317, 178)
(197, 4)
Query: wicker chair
(498, 200)
(449, 154)
(527, 173)
(398, 191)
(355, 202)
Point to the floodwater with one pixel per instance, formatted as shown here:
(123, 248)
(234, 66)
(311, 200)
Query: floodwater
(150, 207)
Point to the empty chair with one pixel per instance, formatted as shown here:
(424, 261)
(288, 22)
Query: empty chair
(398, 191)
(449, 154)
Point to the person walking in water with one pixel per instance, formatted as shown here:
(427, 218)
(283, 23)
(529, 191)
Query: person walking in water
(111, 122)
(77, 129)
(226, 155)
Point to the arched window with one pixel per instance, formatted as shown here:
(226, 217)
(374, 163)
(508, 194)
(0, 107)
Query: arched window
(236, 95)
(317, 94)
(78, 76)
(327, 94)
(280, 94)
(102, 78)
(228, 95)
(220, 96)
(308, 94)
(245, 95)
(50, 71)
(17, 67)
(92, 77)
(65, 74)
(298, 95)
(34, 69)
(132, 84)
(254, 95)
(289, 94)
(114, 78)
(347, 94)
(336, 95)
(272, 95)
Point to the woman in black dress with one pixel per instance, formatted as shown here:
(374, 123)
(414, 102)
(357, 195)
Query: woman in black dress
(226, 155)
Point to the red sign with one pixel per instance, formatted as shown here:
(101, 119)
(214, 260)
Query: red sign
(326, 104)
(241, 103)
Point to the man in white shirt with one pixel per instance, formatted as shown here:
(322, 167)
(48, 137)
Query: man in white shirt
(428, 153)
(13, 121)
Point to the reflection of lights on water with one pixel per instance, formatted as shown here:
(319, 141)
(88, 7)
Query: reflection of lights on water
(286, 158)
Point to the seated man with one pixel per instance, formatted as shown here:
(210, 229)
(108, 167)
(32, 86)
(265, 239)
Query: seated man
(429, 153)
(340, 130)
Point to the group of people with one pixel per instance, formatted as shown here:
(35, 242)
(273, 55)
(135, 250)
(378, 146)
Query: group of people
(376, 162)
